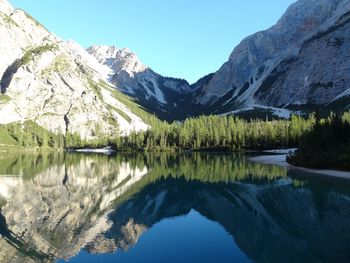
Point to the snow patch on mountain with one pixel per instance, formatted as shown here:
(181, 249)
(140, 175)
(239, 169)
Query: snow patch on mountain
(278, 112)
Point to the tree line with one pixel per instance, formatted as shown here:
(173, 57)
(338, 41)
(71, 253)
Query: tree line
(326, 145)
(218, 133)
(322, 143)
(214, 133)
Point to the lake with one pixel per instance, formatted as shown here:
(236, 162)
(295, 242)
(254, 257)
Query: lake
(190, 207)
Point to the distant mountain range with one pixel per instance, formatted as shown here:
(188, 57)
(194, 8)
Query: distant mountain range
(299, 65)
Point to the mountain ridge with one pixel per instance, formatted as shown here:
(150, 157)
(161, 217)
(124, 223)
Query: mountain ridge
(296, 66)
(56, 83)
(244, 82)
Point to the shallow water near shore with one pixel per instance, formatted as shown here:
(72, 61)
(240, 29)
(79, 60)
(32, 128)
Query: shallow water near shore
(195, 207)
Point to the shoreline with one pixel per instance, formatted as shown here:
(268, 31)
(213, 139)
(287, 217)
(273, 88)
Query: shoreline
(280, 160)
(104, 150)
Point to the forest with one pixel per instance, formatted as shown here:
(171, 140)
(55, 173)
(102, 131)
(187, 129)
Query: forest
(218, 133)
(321, 143)
(205, 133)
(326, 145)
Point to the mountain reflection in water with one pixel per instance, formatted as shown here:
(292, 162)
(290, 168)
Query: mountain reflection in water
(65, 205)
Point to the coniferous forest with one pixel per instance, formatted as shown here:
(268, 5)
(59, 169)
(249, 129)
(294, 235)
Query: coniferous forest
(216, 133)
(326, 145)
(210, 133)
(322, 143)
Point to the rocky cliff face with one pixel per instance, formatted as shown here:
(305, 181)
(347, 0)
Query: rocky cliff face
(56, 83)
(301, 60)
(161, 95)
(318, 74)
(299, 63)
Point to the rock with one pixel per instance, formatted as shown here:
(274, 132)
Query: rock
(158, 94)
(288, 63)
(56, 83)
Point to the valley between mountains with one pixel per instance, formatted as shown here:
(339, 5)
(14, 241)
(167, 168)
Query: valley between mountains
(298, 66)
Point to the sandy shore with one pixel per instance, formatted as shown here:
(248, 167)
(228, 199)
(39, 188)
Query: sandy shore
(280, 160)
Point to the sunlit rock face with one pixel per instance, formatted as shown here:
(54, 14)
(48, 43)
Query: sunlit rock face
(64, 206)
(299, 63)
(301, 60)
(159, 94)
(56, 83)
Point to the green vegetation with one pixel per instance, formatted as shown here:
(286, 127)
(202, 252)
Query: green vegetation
(2, 202)
(206, 133)
(31, 136)
(323, 143)
(5, 137)
(60, 64)
(131, 105)
(215, 133)
(30, 53)
(28, 135)
(326, 145)
(4, 98)
(121, 113)
(9, 20)
(95, 87)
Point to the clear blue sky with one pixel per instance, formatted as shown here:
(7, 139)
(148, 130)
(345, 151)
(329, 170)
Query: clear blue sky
(177, 38)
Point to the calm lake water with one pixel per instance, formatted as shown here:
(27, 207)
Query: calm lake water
(168, 208)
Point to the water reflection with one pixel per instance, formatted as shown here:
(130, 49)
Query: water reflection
(55, 205)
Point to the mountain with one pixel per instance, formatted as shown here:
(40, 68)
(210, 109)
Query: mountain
(300, 63)
(161, 95)
(56, 83)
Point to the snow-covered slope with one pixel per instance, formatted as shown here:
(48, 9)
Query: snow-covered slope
(55, 83)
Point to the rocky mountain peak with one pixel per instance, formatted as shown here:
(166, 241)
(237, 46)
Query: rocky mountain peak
(5, 7)
(56, 83)
(118, 59)
(252, 61)
(301, 19)
(304, 16)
